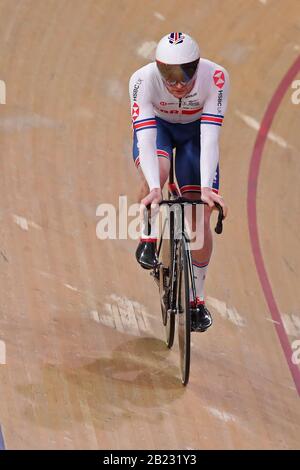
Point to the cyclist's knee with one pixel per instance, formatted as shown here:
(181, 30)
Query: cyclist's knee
(204, 216)
(207, 214)
(164, 170)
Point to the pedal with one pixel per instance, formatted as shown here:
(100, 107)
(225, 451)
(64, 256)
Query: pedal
(155, 271)
(171, 311)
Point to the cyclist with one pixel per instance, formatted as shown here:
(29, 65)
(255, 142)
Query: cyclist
(179, 101)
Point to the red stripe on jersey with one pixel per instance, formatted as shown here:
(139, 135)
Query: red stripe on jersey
(145, 124)
(195, 188)
(190, 188)
(162, 152)
(192, 111)
(212, 119)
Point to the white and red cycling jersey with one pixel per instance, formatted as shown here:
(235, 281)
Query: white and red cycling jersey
(207, 102)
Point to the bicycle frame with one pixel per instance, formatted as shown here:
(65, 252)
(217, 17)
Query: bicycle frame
(174, 250)
(176, 199)
(174, 274)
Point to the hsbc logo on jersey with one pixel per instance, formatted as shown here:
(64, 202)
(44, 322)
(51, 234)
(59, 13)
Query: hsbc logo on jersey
(135, 111)
(136, 89)
(220, 102)
(219, 78)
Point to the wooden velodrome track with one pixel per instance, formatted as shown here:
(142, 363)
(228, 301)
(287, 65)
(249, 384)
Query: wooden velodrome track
(86, 365)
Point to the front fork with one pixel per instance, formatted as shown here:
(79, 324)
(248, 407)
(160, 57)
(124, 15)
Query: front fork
(174, 279)
(176, 275)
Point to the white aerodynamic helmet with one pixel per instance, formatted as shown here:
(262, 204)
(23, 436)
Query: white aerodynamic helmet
(177, 57)
(177, 48)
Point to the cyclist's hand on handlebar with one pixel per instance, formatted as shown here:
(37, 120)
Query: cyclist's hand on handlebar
(210, 197)
(154, 197)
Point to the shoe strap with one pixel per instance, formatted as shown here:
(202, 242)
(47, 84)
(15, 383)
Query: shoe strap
(198, 301)
(149, 240)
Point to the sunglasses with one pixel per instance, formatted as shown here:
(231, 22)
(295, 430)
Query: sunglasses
(182, 82)
(181, 73)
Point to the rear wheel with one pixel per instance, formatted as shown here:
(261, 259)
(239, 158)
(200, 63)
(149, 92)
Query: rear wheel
(184, 314)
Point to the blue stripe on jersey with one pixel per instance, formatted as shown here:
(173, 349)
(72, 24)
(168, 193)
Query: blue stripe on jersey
(209, 122)
(214, 115)
(143, 120)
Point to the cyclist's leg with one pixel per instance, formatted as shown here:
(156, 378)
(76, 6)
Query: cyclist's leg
(146, 251)
(188, 177)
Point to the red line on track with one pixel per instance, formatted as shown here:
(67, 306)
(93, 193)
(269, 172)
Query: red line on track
(252, 215)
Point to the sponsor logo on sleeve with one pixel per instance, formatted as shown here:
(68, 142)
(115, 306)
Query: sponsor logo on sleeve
(135, 111)
(219, 78)
(136, 89)
(220, 102)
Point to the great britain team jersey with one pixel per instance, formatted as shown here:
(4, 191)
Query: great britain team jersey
(206, 102)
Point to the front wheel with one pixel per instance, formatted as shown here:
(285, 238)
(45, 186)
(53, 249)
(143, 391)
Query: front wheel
(166, 259)
(184, 313)
(168, 317)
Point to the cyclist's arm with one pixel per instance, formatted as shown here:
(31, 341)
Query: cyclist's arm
(211, 121)
(144, 123)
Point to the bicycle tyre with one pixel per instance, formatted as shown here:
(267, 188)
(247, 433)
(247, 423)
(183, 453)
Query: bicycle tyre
(165, 257)
(184, 314)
